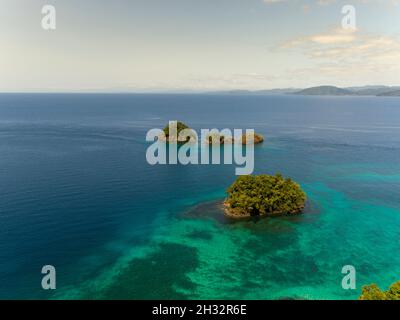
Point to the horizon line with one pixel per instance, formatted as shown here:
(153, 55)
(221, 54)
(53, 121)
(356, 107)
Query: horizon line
(188, 90)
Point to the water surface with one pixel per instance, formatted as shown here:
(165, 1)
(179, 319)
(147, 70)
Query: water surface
(77, 193)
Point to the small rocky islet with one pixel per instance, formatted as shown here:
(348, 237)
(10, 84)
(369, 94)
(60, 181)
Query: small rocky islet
(244, 139)
(212, 138)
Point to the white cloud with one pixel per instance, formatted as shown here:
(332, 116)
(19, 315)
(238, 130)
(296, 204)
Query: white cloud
(347, 55)
(336, 36)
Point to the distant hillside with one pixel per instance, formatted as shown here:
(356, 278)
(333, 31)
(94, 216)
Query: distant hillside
(395, 93)
(325, 91)
(372, 90)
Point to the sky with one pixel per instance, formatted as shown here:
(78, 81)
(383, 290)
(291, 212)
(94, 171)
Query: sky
(196, 45)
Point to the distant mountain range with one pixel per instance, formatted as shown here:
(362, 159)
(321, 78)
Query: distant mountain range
(326, 91)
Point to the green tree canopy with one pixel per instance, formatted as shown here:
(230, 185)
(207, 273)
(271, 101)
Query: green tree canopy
(179, 125)
(264, 194)
(372, 292)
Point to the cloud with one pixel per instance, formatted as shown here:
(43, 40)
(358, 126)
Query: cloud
(344, 43)
(347, 54)
(336, 36)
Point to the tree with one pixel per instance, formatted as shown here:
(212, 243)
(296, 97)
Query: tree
(264, 194)
(373, 292)
(394, 291)
(179, 125)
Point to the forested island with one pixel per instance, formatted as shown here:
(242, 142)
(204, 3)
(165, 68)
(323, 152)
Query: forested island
(180, 126)
(264, 195)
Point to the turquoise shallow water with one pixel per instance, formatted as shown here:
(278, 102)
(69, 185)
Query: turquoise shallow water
(78, 194)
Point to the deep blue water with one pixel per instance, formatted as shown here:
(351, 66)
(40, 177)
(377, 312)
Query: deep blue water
(76, 192)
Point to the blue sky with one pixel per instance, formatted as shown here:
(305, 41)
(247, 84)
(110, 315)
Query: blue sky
(174, 45)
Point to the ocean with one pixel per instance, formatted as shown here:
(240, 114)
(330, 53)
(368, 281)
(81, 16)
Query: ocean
(77, 193)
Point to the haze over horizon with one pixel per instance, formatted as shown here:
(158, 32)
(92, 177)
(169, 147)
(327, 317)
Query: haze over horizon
(189, 45)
